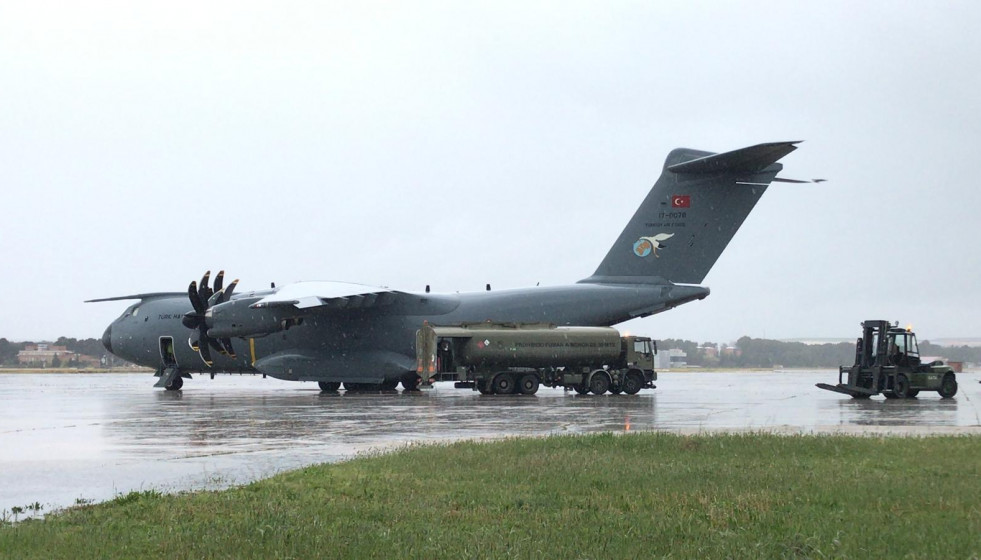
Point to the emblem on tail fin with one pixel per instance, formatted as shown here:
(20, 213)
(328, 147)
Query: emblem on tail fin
(647, 245)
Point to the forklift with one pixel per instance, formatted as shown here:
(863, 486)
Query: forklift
(887, 361)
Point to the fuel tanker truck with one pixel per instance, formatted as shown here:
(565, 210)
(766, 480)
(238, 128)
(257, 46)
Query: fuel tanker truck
(510, 358)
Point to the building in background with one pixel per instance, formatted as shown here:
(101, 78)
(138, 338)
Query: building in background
(672, 358)
(50, 355)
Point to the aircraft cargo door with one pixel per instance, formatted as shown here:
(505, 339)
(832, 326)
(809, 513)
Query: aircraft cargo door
(167, 351)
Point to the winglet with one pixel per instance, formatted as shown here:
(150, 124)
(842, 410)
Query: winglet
(748, 160)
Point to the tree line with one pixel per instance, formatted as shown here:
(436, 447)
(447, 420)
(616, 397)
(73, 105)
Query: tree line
(748, 352)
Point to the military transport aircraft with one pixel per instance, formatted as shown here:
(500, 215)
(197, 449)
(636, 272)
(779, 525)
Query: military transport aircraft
(364, 336)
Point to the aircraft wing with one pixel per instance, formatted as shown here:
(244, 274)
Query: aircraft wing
(303, 295)
(153, 295)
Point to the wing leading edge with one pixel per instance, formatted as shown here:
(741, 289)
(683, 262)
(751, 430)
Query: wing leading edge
(304, 295)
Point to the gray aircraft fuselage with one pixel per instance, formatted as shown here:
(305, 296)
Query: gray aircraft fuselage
(383, 336)
(666, 249)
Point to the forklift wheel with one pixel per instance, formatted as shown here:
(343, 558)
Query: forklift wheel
(948, 386)
(901, 386)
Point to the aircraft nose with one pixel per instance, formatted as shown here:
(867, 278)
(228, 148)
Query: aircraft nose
(107, 339)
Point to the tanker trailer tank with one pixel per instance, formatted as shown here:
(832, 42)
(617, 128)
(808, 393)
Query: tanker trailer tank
(507, 358)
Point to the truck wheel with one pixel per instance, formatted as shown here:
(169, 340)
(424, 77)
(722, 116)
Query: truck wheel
(528, 385)
(901, 386)
(599, 383)
(484, 388)
(503, 384)
(633, 383)
(616, 388)
(329, 386)
(582, 389)
(948, 386)
(912, 393)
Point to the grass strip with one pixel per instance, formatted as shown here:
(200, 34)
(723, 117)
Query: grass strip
(640, 495)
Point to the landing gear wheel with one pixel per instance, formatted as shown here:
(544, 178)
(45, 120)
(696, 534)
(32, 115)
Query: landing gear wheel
(912, 393)
(901, 386)
(582, 389)
(329, 386)
(528, 384)
(890, 395)
(503, 384)
(861, 397)
(411, 382)
(599, 383)
(178, 382)
(388, 385)
(948, 386)
(633, 383)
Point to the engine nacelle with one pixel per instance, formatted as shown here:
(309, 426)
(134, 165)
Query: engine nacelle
(237, 318)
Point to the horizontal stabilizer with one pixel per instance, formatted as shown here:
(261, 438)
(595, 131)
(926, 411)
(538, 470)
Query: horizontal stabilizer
(744, 160)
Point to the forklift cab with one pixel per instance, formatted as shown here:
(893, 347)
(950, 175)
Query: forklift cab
(886, 345)
(902, 348)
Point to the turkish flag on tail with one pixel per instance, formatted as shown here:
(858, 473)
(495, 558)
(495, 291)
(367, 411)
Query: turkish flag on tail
(681, 201)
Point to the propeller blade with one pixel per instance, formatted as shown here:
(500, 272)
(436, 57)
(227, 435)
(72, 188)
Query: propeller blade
(214, 344)
(227, 343)
(204, 292)
(192, 294)
(191, 319)
(219, 280)
(194, 340)
(227, 293)
(205, 354)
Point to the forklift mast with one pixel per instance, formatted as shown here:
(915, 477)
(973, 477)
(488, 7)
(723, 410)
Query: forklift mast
(872, 347)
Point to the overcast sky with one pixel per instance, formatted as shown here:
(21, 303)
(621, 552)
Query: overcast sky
(461, 143)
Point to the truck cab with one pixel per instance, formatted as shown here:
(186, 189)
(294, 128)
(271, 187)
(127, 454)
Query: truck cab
(639, 352)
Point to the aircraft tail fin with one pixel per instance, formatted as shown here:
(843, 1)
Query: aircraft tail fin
(690, 215)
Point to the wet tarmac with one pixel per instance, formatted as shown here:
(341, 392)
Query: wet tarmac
(65, 438)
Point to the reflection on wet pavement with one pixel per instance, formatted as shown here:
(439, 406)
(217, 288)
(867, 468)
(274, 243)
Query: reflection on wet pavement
(64, 437)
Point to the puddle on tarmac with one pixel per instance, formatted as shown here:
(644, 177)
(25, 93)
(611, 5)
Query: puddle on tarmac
(67, 437)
